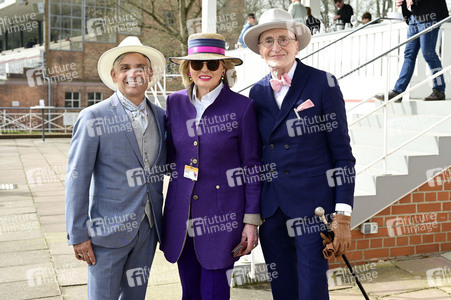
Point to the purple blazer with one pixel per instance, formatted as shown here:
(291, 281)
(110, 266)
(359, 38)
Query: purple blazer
(226, 150)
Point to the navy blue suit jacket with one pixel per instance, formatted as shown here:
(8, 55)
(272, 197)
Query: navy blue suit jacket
(312, 155)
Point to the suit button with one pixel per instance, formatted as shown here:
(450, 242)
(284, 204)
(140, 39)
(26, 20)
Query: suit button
(194, 161)
(218, 187)
(287, 146)
(271, 146)
(286, 172)
(195, 197)
(195, 143)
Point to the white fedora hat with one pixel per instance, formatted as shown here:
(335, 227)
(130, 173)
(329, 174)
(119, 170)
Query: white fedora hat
(277, 18)
(130, 44)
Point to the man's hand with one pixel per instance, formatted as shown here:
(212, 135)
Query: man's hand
(337, 17)
(84, 251)
(409, 3)
(341, 226)
(250, 232)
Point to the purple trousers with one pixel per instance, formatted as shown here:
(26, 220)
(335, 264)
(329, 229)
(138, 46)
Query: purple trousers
(199, 283)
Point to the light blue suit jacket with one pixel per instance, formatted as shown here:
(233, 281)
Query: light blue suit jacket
(106, 186)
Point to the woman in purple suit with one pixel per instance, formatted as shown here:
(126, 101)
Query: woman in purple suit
(213, 200)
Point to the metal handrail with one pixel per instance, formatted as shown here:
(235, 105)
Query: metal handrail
(436, 25)
(350, 33)
(401, 95)
(405, 143)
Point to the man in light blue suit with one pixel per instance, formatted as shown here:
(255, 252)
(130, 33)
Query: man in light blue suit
(114, 178)
(302, 122)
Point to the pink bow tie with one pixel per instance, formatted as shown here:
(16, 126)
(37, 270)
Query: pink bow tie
(277, 84)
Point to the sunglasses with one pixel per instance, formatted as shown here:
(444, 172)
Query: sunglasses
(197, 65)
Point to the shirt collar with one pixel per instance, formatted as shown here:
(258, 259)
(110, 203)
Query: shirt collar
(141, 106)
(210, 97)
(291, 72)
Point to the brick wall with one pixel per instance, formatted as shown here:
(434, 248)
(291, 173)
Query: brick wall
(417, 224)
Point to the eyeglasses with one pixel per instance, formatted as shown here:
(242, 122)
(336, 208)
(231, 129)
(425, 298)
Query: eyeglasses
(197, 65)
(282, 40)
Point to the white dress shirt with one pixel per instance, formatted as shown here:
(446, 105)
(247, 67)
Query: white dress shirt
(202, 104)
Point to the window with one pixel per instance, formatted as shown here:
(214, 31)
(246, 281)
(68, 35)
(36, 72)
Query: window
(101, 21)
(94, 98)
(130, 17)
(65, 25)
(72, 99)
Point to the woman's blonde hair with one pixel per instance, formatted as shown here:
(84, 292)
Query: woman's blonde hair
(184, 71)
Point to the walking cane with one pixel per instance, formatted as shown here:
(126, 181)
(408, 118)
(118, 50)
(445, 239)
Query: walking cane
(319, 211)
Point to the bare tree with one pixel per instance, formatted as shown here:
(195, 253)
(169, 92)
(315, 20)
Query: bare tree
(160, 13)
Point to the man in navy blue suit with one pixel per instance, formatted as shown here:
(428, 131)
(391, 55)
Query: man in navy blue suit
(302, 122)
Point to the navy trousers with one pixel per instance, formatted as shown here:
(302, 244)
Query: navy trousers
(296, 254)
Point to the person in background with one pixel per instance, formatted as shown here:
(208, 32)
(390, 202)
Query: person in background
(212, 138)
(312, 23)
(366, 18)
(298, 11)
(420, 15)
(249, 23)
(344, 12)
(289, 100)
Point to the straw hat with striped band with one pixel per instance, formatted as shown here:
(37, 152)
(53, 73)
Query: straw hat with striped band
(206, 46)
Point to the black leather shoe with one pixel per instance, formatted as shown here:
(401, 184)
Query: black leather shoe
(436, 95)
(391, 95)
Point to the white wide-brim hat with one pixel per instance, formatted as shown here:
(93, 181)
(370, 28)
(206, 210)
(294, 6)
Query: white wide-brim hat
(277, 18)
(130, 44)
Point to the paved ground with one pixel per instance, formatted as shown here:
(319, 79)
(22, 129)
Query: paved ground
(36, 263)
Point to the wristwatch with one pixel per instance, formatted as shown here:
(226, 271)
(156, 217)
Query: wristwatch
(346, 213)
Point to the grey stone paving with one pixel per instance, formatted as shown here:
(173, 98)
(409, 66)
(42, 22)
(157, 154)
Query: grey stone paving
(37, 263)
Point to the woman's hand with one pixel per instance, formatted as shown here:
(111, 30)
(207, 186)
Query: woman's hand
(250, 233)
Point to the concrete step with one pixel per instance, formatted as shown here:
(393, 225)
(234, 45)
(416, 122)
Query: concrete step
(391, 188)
(414, 107)
(375, 137)
(398, 124)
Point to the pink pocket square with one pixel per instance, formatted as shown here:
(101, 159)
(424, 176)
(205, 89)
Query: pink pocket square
(305, 105)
